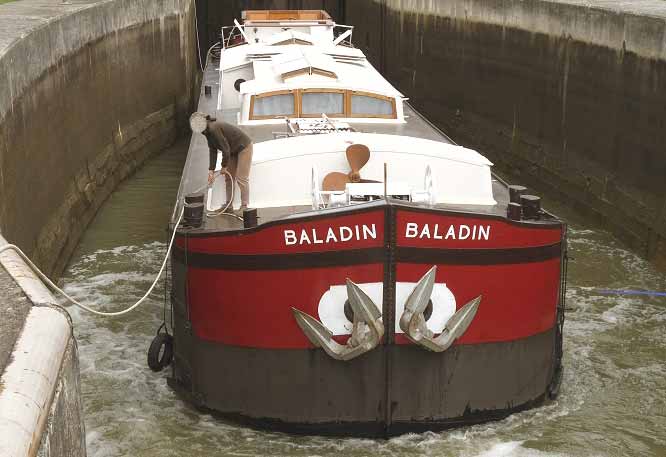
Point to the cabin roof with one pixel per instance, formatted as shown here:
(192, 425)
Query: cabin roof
(300, 56)
(294, 61)
(336, 142)
(335, 67)
(289, 37)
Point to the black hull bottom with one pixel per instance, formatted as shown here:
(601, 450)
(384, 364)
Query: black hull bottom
(306, 392)
(356, 429)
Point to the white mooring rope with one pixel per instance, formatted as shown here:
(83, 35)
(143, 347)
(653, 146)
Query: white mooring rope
(55, 288)
(50, 283)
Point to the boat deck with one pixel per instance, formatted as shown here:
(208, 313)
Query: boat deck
(196, 166)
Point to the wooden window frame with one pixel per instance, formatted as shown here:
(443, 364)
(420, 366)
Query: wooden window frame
(322, 90)
(285, 15)
(254, 117)
(346, 104)
(350, 93)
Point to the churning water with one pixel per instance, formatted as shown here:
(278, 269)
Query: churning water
(612, 401)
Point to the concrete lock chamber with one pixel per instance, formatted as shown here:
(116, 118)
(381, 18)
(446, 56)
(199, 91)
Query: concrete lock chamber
(88, 92)
(567, 96)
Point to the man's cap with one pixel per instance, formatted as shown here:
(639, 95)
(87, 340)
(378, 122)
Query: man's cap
(198, 122)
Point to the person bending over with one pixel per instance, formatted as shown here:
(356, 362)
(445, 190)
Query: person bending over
(236, 148)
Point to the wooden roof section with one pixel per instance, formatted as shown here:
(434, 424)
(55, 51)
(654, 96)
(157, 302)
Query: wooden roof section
(258, 16)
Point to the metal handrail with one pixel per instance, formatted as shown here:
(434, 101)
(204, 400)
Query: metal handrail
(229, 39)
(348, 40)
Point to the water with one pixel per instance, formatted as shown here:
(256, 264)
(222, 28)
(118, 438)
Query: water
(612, 402)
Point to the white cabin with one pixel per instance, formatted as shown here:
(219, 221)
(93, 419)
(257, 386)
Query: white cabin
(297, 70)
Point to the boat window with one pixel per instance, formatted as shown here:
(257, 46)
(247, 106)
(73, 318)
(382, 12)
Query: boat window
(238, 83)
(369, 105)
(272, 105)
(314, 103)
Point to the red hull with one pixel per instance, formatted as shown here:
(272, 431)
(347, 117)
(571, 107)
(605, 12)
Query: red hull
(234, 293)
(242, 286)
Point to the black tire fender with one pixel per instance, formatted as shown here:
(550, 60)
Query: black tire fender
(160, 352)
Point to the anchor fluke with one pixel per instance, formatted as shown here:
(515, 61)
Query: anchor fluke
(413, 322)
(367, 330)
(454, 328)
(362, 304)
(316, 332)
(459, 322)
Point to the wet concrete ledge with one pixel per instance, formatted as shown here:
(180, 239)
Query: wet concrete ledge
(40, 404)
(89, 90)
(566, 96)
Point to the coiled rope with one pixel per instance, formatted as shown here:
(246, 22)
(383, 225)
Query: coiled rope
(223, 211)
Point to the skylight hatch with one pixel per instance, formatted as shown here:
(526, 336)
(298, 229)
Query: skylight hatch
(298, 62)
(289, 37)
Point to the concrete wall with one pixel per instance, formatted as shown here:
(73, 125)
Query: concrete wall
(64, 433)
(40, 404)
(566, 96)
(89, 92)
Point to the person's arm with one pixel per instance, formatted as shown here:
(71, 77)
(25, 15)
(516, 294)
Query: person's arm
(225, 147)
(212, 158)
(212, 161)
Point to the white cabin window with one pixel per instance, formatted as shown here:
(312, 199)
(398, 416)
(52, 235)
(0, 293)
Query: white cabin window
(272, 105)
(313, 102)
(316, 103)
(370, 105)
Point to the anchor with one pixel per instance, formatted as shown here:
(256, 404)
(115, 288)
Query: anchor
(413, 322)
(367, 331)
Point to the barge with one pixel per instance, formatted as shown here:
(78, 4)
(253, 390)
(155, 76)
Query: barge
(384, 280)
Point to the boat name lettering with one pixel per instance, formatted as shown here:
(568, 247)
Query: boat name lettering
(340, 234)
(453, 232)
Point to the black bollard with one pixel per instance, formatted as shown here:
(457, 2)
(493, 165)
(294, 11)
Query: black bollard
(531, 206)
(515, 192)
(250, 218)
(193, 210)
(514, 211)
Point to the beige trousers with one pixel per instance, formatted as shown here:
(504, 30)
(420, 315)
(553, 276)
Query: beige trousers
(239, 167)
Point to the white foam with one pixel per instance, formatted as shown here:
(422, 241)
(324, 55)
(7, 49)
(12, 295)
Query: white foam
(502, 449)
(130, 410)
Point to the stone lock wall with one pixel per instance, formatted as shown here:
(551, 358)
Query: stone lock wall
(566, 96)
(87, 96)
(88, 91)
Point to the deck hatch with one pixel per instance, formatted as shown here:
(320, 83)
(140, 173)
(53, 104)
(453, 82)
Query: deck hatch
(300, 62)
